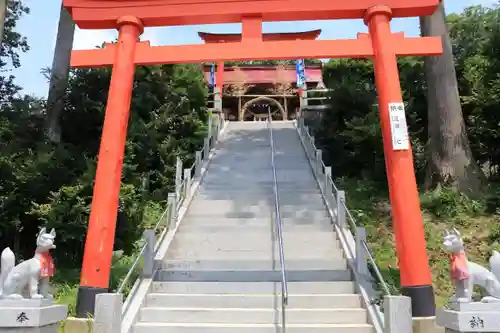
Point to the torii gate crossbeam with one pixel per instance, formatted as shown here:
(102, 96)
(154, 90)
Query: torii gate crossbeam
(131, 16)
(145, 54)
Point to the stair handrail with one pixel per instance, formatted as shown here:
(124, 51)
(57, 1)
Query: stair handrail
(279, 233)
(153, 237)
(371, 258)
(361, 252)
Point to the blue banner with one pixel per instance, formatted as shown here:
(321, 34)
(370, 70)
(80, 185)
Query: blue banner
(300, 68)
(212, 75)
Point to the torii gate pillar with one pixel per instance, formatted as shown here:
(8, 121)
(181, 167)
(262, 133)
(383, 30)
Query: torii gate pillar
(102, 224)
(416, 280)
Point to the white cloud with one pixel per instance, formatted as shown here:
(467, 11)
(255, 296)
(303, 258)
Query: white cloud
(89, 39)
(152, 35)
(484, 2)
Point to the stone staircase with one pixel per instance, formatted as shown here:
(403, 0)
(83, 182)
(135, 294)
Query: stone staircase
(222, 272)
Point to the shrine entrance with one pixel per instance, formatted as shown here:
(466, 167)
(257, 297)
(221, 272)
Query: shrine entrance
(131, 16)
(258, 109)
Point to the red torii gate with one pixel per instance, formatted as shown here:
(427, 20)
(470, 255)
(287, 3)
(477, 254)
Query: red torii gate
(131, 16)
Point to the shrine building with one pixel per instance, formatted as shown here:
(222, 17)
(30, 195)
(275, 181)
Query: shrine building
(250, 90)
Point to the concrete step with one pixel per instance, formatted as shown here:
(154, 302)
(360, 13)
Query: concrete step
(261, 156)
(232, 173)
(261, 180)
(294, 288)
(252, 315)
(252, 301)
(261, 148)
(262, 231)
(309, 186)
(252, 167)
(288, 220)
(254, 275)
(269, 190)
(250, 328)
(213, 226)
(253, 212)
(250, 265)
(319, 245)
(221, 253)
(253, 225)
(256, 240)
(258, 196)
(200, 205)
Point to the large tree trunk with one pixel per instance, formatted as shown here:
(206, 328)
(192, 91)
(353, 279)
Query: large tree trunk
(59, 75)
(3, 12)
(450, 161)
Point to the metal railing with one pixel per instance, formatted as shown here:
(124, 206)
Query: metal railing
(314, 99)
(214, 100)
(336, 201)
(279, 233)
(153, 237)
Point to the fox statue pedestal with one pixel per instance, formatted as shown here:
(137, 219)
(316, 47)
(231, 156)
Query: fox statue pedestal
(464, 315)
(470, 317)
(25, 303)
(31, 316)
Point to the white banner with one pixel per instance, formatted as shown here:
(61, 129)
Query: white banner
(399, 128)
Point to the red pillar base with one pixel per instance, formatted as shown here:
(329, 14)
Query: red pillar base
(86, 300)
(422, 300)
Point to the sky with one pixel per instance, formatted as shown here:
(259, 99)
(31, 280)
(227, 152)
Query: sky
(40, 27)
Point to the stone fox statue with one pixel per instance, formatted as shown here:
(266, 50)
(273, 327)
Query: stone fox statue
(33, 273)
(465, 274)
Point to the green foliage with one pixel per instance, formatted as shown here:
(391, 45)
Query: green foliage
(65, 282)
(443, 209)
(349, 131)
(448, 203)
(354, 148)
(167, 120)
(47, 184)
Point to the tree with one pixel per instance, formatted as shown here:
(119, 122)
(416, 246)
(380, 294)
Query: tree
(476, 39)
(3, 9)
(59, 75)
(13, 42)
(450, 160)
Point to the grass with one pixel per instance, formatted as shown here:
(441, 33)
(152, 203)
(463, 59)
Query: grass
(477, 220)
(66, 281)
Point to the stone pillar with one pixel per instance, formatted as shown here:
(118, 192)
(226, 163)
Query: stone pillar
(108, 313)
(397, 315)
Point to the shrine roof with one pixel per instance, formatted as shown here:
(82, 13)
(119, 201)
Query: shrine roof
(236, 37)
(266, 74)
